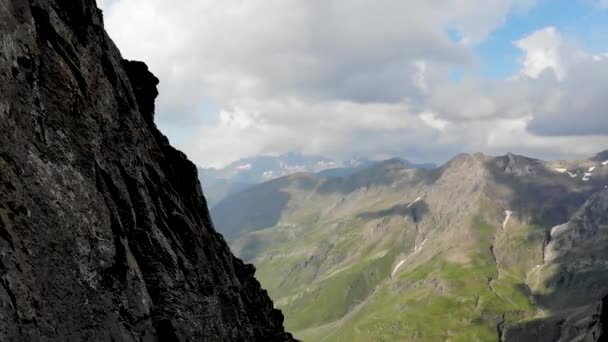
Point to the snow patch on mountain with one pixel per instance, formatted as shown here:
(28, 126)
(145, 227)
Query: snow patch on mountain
(415, 201)
(557, 230)
(508, 214)
(416, 250)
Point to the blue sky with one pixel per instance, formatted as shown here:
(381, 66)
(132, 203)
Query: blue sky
(368, 78)
(579, 20)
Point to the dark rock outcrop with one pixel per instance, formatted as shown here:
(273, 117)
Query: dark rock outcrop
(104, 231)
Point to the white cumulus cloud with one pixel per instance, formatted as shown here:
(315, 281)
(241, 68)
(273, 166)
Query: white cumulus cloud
(355, 77)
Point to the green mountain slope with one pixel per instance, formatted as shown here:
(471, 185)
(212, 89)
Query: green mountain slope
(392, 253)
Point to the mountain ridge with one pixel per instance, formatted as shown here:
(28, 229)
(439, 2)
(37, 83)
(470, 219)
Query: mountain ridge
(247, 172)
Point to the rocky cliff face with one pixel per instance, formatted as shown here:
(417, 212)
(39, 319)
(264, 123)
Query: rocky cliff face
(104, 230)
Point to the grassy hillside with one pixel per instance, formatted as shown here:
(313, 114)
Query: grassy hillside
(460, 293)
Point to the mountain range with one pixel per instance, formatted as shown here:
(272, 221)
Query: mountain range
(483, 248)
(243, 173)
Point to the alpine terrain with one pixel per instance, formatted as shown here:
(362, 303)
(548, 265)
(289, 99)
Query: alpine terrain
(483, 248)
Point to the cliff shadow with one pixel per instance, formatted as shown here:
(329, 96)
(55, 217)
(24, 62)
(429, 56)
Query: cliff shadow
(251, 210)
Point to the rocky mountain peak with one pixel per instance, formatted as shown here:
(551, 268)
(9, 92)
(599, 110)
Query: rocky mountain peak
(512, 164)
(466, 160)
(466, 166)
(601, 157)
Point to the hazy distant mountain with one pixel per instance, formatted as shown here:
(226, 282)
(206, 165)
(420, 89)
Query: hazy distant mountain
(239, 175)
(219, 183)
(259, 169)
(483, 248)
(356, 165)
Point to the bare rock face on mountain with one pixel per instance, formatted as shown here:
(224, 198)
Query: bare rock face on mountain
(575, 261)
(104, 230)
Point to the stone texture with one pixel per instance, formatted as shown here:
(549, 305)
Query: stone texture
(104, 231)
